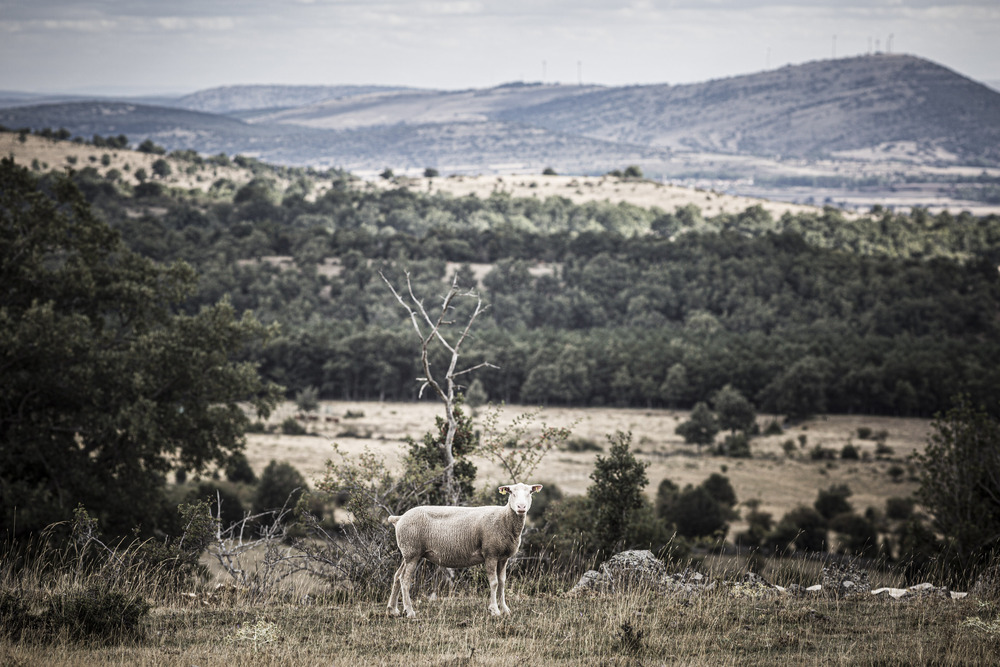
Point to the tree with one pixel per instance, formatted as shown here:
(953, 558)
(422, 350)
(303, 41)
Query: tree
(616, 492)
(431, 172)
(106, 386)
(549, 171)
(701, 428)
(148, 146)
(161, 168)
(281, 485)
(959, 473)
(697, 514)
(833, 501)
(803, 527)
(632, 171)
(431, 332)
(735, 412)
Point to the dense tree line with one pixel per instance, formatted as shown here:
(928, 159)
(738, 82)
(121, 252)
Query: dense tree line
(598, 303)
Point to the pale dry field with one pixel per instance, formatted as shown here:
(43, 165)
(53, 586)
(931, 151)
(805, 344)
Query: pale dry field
(583, 189)
(779, 482)
(52, 156)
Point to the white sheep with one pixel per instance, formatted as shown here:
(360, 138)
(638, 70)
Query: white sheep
(461, 537)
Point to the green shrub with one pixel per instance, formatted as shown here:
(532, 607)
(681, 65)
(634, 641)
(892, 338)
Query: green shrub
(850, 452)
(97, 612)
(280, 483)
(238, 469)
(737, 445)
(899, 509)
(582, 445)
(773, 428)
(291, 426)
(833, 501)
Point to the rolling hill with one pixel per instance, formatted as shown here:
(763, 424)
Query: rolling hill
(858, 112)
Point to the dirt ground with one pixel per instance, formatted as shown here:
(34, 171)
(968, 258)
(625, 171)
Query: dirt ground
(779, 481)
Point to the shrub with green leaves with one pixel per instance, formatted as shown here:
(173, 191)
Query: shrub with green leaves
(97, 611)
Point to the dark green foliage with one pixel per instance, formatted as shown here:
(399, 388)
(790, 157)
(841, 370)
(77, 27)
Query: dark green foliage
(803, 528)
(833, 501)
(148, 146)
(850, 452)
(736, 446)
(899, 509)
(720, 489)
(212, 493)
(431, 172)
(859, 536)
(238, 469)
(543, 500)
(582, 445)
(616, 492)
(97, 612)
(108, 385)
(281, 485)
(959, 473)
(759, 526)
(307, 399)
(696, 513)
(734, 411)
(291, 426)
(701, 428)
(429, 455)
(161, 168)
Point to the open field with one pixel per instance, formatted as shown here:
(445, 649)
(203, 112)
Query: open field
(778, 481)
(629, 629)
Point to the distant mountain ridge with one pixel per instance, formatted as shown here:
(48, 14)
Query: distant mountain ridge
(830, 109)
(229, 99)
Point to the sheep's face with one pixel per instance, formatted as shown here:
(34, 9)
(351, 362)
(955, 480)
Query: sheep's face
(520, 496)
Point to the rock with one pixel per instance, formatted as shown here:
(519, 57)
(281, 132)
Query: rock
(895, 593)
(921, 587)
(955, 595)
(814, 589)
(640, 568)
(845, 579)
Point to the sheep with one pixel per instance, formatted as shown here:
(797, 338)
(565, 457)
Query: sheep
(461, 537)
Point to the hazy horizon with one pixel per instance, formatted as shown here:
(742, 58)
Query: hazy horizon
(143, 47)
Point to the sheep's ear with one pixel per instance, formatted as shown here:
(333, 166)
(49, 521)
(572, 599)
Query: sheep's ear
(535, 488)
(504, 490)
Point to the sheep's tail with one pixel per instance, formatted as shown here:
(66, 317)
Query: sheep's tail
(393, 519)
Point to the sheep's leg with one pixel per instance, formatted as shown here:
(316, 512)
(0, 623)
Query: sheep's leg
(408, 567)
(502, 585)
(491, 574)
(393, 606)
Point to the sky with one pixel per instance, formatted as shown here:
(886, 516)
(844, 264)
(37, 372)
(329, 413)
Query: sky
(123, 47)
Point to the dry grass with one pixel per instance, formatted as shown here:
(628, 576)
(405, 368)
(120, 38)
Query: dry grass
(639, 628)
(778, 481)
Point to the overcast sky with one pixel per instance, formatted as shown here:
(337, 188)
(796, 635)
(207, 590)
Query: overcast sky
(147, 46)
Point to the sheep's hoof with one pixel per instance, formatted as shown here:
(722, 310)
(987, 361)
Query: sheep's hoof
(495, 611)
(391, 611)
(506, 610)
(410, 613)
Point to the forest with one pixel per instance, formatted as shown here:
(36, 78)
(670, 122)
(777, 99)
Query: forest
(589, 304)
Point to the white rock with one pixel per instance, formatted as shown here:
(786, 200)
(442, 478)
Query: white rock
(921, 587)
(815, 589)
(955, 595)
(894, 593)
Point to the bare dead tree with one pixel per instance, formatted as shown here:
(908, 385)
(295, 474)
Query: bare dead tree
(430, 330)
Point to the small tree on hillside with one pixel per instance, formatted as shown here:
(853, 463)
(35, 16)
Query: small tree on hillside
(616, 492)
(701, 428)
(735, 412)
(959, 473)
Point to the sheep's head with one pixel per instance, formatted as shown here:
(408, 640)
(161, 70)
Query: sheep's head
(520, 496)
